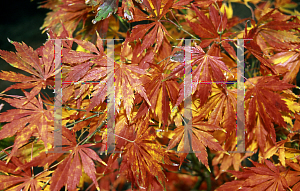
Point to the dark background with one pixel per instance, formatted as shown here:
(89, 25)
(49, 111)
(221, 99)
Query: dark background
(20, 21)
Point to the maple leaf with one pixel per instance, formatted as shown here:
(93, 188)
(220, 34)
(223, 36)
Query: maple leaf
(68, 12)
(159, 94)
(200, 137)
(285, 5)
(287, 63)
(128, 8)
(228, 9)
(74, 57)
(293, 177)
(45, 159)
(294, 108)
(220, 109)
(272, 32)
(111, 179)
(214, 29)
(111, 6)
(80, 157)
(38, 63)
(161, 90)
(127, 81)
(126, 77)
(206, 3)
(156, 31)
(20, 178)
(25, 121)
(209, 28)
(228, 140)
(113, 29)
(265, 64)
(232, 159)
(179, 4)
(105, 10)
(209, 69)
(278, 150)
(226, 161)
(143, 156)
(149, 75)
(87, 67)
(253, 48)
(261, 177)
(268, 110)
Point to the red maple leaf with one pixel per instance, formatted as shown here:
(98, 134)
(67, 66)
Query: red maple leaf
(39, 63)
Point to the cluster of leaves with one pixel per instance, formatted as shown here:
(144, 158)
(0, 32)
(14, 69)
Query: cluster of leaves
(150, 133)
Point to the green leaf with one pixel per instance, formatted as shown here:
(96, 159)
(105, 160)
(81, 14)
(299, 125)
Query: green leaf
(105, 10)
(4, 143)
(92, 2)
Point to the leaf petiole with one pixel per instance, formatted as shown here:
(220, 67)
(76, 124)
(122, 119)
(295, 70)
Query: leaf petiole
(181, 28)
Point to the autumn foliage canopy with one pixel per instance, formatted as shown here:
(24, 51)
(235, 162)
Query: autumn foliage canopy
(149, 124)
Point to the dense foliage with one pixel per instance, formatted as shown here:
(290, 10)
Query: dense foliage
(149, 71)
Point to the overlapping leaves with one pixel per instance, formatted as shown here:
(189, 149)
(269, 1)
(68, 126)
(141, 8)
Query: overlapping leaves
(38, 63)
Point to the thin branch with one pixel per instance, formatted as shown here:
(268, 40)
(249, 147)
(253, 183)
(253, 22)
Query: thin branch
(46, 183)
(181, 28)
(31, 157)
(87, 138)
(246, 78)
(14, 96)
(69, 108)
(124, 138)
(82, 120)
(6, 149)
(252, 12)
(48, 168)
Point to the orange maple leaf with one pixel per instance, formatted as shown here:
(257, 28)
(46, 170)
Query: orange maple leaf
(21, 178)
(258, 101)
(39, 63)
(25, 121)
(200, 137)
(261, 177)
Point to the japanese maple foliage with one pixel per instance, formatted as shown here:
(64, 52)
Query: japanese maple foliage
(150, 133)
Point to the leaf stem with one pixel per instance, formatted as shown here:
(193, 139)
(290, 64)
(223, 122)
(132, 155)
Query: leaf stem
(252, 12)
(82, 120)
(183, 119)
(69, 108)
(124, 138)
(245, 78)
(49, 168)
(14, 96)
(181, 28)
(164, 59)
(81, 133)
(122, 21)
(46, 183)
(6, 149)
(207, 179)
(87, 138)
